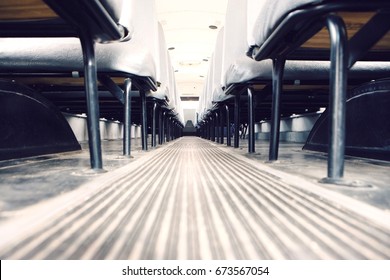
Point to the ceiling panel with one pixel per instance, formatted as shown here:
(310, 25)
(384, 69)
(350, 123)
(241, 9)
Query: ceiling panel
(186, 26)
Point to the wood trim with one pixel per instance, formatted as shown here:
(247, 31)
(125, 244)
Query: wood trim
(59, 81)
(25, 10)
(353, 22)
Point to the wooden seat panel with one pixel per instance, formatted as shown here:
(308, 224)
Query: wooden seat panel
(25, 10)
(354, 22)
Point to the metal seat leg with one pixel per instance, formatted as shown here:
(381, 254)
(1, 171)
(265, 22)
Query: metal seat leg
(127, 120)
(337, 98)
(237, 121)
(221, 127)
(251, 123)
(90, 82)
(277, 83)
(154, 125)
(228, 132)
(144, 131)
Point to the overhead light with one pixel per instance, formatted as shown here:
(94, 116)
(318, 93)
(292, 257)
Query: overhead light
(213, 27)
(189, 98)
(189, 62)
(171, 48)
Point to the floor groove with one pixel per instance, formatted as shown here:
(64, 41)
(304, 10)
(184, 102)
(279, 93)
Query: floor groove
(193, 200)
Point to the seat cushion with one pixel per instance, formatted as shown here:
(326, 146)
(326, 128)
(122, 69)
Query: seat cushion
(64, 55)
(137, 56)
(264, 16)
(246, 69)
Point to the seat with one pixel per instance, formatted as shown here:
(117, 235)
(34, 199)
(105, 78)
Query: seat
(123, 64)
(296, 22)
(264, 16)
(206, 120)
(285, 30)
(91, 21)
(165, 97)
(239, 73)
(49, 18)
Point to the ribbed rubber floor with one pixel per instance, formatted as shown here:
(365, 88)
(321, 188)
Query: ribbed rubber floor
(193, 200)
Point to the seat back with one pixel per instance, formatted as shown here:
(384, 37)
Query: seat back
(205, 99)
(234, 38)
(217, 91)
(163, 67)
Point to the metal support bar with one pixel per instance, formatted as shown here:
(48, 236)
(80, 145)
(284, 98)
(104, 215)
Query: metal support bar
(206, 129)
(173, 130)
(212, 125)
(216, 126)
(160, 127)
(127, 119)
(368, 36)
(337, 98)
(168, 129)
(208, 123)
(228, 132)
(237, 121)
(163, 130)
(173, 125)
(144, 131)
(154, 124)
(277, 84)
(112, 87)
(90, 83)
(251, 122)
(221, 127)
